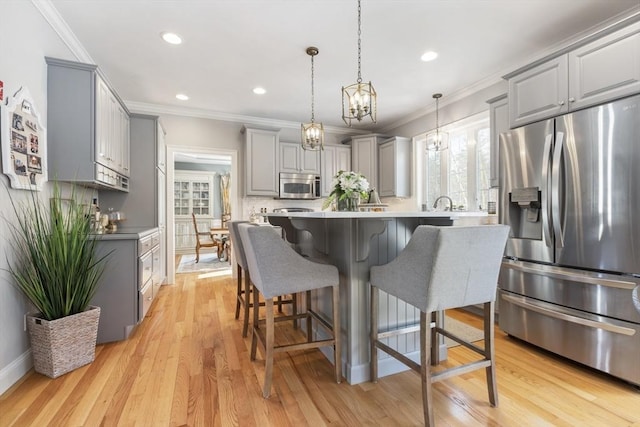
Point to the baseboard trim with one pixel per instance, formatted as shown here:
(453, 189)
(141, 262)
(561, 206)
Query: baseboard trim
(15, 370)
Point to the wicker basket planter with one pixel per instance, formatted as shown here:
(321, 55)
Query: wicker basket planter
(62, 345)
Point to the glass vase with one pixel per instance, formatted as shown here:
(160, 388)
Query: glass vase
(349, 204)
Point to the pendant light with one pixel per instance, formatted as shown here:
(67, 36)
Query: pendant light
(437, 140)
(359, 99)
(312, 133)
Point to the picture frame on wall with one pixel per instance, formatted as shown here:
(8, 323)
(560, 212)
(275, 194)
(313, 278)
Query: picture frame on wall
(24, 142)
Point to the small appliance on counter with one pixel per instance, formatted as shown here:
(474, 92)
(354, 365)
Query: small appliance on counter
(112, 220)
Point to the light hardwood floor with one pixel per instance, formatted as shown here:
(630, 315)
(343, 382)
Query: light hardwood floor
(187, 365)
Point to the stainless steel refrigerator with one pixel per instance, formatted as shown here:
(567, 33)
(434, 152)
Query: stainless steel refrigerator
(570, 281)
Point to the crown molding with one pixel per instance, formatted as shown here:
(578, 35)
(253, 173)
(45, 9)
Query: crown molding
(146, 108)
(58, 24)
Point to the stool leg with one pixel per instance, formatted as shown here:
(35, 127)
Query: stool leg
(337, 334)
(256, 313)
(268, 368)
(373, 366)
(294, 309)
(489, 350)
(239, 293)
(425, 367)
(308, 305)
(435, 342)
(247, 302)
(280, 304)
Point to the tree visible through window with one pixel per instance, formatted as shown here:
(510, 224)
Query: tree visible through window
(462, 171)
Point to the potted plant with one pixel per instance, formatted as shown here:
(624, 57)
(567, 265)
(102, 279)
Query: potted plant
(348, 188)
(56, 267)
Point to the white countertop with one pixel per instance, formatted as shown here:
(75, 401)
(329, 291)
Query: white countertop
(388, 214)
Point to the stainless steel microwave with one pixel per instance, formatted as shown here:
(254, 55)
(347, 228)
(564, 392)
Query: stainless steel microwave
(299, 186)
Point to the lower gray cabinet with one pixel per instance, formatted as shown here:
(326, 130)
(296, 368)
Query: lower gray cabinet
(129, 283)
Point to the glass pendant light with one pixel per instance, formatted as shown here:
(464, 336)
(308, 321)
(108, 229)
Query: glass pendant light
(359, 99)
(312, 133)
(437, 140)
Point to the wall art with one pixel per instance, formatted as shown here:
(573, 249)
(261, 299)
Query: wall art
(24, 142)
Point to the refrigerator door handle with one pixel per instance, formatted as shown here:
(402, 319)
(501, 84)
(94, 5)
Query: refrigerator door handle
(555, 190)
(546, 171)
(521, 302)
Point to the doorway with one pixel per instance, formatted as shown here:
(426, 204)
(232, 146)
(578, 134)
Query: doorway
(198, 154)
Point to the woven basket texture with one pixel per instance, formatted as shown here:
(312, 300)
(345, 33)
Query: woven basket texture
(62, 345)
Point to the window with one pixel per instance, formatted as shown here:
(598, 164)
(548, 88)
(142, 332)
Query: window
(462, 171)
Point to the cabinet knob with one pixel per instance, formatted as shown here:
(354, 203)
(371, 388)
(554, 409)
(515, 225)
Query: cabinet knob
(572, 99)
(560, 102)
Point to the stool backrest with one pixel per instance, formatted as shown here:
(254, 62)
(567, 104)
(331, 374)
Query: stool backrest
(266, 256)
(236, 243)
(447, 267)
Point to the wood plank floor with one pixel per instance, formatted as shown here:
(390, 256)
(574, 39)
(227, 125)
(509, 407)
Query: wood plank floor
(187, 365)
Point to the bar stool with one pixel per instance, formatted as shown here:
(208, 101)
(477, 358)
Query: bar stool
(442, 268)
(243, 293)
(276, 269)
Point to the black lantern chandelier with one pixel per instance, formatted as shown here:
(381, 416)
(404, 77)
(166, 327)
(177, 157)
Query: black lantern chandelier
(312, 133)
(358, 99)
(437, 140)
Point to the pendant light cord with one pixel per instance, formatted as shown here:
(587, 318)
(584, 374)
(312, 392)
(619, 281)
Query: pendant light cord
(312, 92)
(359, 42)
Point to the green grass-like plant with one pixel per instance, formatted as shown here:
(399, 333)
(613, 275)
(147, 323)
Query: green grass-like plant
(55, 264)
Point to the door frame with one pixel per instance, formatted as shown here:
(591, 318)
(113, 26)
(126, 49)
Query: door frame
(233, 194)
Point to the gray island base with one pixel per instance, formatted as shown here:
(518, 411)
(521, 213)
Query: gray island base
(353, 242)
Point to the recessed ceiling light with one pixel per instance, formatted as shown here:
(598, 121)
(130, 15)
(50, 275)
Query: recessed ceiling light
(429, 56)
(182, 97)
(259, 91)
(171, 38)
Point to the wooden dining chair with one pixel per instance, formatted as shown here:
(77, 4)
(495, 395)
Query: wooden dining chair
(203, 238)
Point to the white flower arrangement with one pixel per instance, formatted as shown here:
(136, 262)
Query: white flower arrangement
(347, 185)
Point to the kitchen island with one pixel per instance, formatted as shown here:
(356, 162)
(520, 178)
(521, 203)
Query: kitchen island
(353, 242)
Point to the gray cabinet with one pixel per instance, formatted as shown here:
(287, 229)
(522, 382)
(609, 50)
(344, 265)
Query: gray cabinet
(364, 156)
(498, 122)
(394, 168)
(293, 158)
(591, 73)
(335, 158)
(88, 127)
(126, 289)
(145, 203)
(261, 165)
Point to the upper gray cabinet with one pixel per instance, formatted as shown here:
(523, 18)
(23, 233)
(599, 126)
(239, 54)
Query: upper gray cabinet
(394, 171)
(592, 73)
(88, 127)
(499, 122)
(335, 158)
(364, 156)
(295, 159)
(262, 165)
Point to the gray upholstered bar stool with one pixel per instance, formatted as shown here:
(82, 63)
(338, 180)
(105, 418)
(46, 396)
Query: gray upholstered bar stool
(442, 268)
(276, 269)
(243, 293)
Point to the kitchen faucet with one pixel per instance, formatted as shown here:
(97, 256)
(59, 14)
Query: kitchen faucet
(435, 204)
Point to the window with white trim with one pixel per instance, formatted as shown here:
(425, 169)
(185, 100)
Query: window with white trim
(462, 171)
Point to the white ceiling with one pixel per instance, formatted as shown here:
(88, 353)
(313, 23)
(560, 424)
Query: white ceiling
(231, 46)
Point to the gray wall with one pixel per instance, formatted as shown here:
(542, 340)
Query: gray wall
(25, 39)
